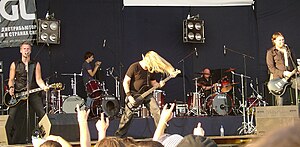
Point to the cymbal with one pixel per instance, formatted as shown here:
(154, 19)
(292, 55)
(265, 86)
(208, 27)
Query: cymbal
(230, 69)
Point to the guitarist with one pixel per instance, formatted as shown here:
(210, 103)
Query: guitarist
(279, 61)
(18, 81)
(138, 76)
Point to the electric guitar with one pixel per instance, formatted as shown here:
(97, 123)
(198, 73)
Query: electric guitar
(140, 97)
(11, 101)
(278, 86)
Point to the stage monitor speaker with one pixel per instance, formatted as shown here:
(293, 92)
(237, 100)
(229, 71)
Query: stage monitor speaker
(3, 136)
(271, 117)
(64, 125)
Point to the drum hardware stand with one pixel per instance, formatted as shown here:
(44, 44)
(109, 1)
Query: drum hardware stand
(117, 82)
(73, 81)
(243, 129)
(196, 108)
(183, 72)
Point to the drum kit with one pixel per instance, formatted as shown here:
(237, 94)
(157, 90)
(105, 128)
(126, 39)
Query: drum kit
(217, 103)
(98, 100)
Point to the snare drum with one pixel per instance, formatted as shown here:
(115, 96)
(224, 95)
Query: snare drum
(94, 89)
(219, 103)
(69, 105)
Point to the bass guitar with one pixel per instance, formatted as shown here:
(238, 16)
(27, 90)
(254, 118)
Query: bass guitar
(278, 86)
(140, 97)
(11, 101)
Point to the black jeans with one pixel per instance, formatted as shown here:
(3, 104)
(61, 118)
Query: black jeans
(17, 120)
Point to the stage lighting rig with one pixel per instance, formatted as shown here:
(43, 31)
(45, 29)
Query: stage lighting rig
(193, 29)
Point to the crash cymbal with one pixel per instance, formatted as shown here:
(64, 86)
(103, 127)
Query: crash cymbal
(230, 69)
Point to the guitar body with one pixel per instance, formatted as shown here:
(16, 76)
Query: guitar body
(10, 101)
(278, 86)
(137, 97)
(140, 96)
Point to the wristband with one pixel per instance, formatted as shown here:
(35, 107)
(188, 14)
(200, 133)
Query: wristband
(11, 87)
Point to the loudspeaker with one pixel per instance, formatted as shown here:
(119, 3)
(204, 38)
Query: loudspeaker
(3, 136)
(64, 125)
(48, 31)
(272, 117)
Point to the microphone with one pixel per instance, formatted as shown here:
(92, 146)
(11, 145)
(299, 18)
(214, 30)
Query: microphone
(104, 43)
(196, 52)
(224, 50)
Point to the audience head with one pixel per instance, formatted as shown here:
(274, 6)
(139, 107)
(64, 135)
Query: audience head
(196, 141)
(284, 136)
(51, 143)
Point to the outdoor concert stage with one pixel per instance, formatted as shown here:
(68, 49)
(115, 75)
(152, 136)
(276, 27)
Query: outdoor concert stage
(144, 127)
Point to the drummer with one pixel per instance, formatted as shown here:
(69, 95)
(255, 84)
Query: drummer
(87, 71)
(204, 83)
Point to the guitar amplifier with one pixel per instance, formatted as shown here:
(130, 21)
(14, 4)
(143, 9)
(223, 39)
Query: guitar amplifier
(272, 117)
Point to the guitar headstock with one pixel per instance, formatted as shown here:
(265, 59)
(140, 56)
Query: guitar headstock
(175, 73)
(57, 86)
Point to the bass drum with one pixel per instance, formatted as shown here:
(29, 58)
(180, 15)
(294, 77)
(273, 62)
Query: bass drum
(107, 104)
(69, 105)
(219, 104)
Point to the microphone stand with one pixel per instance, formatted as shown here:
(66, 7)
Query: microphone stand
(183, 73)
(295, 67)
(27, 105)
(244, 60)
(243, 129)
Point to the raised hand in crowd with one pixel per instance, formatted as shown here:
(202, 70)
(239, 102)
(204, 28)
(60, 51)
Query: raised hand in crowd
(102, 126)
(165, 116)
(82, 116)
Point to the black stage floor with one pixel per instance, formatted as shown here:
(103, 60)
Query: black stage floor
(144, 127)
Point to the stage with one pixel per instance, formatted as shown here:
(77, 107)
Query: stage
(144, 127)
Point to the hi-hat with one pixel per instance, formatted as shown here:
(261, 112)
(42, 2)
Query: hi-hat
(230, 69)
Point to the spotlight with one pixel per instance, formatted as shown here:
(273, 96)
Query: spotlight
(48, 31)
(193, 30)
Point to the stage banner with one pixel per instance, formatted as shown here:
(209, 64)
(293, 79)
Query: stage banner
(17, 22)
(187, 2)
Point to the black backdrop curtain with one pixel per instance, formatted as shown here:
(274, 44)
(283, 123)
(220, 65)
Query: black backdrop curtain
(132, 31)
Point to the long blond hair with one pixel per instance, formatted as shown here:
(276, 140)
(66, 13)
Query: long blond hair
(156, 63)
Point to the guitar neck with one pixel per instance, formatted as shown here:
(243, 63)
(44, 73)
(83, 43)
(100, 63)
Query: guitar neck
(154, 87)
(30, 91)
(293, 72)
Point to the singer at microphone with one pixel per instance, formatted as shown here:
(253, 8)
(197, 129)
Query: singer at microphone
(278, 60)
(89, 72)
(19, 79)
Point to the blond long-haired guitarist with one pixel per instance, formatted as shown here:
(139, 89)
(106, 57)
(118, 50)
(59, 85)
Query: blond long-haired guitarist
(138, 79)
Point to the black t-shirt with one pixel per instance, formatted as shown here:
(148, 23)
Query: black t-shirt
(85, 75)
(139, 77)
(205, 82)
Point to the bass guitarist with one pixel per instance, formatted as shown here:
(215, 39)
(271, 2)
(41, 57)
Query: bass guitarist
(280, 62)
(138, 78)
(16, 125)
